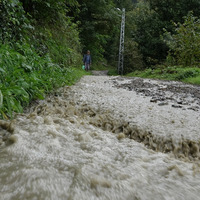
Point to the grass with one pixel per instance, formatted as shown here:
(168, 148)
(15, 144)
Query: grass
(76, 74)
(193, 80)
(177, 73)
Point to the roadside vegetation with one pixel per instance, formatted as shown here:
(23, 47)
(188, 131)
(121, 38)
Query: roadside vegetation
(176, 73)
(39, 52)
(182, 62)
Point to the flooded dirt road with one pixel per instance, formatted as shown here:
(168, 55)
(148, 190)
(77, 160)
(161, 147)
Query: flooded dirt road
(105, 138)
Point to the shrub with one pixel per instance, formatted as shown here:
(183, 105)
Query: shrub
(26, 76)
(185, 43)
(14, 22)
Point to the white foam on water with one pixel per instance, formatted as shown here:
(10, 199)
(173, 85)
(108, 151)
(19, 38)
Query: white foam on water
(73, 147)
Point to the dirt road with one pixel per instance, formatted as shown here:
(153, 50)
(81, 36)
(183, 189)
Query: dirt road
(161, 114)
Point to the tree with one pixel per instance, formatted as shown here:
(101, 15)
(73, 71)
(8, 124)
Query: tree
(47, 10)
(170, 10)
(127, 4)
(146, 28)
(185, 42)
(97, 26)
(13, 21)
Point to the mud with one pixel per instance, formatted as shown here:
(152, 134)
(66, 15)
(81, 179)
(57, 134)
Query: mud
(177, 94)
(165, 123)
(99, 73)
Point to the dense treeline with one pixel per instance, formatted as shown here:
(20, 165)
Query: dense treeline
(151, 31)
(42, 41)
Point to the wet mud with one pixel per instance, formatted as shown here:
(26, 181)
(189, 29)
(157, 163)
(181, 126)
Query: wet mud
(177, 94)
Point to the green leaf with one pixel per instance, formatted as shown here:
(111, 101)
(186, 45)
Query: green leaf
(48, 4)
(1, 99)
(2, 70)
(9, 105)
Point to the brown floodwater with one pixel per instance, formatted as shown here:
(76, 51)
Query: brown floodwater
(72, 146)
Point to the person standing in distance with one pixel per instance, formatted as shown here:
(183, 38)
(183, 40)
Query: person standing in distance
(87, 60)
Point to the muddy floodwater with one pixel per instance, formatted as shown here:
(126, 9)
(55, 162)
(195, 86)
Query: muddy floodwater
(105, 138)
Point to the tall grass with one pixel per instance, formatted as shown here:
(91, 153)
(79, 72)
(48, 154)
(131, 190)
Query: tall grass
(177, 73)
(26, 76)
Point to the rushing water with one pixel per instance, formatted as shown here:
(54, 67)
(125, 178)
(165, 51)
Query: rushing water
(58, 152)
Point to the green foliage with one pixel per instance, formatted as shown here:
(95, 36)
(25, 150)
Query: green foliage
(26, 76)
(177, 73)
(14, 22)
(147, 20)
(48, 29)
(41, 41)
(48, 10)
(39, 44)
(60, 41)
(98, 22)
(170, 10)
(127, 4)
(113, 72)
(185, 43)
(132, 57)
(187, 74)
(145, 27)
(193, 80)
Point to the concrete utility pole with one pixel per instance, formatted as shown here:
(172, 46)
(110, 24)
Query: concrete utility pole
(121, 45)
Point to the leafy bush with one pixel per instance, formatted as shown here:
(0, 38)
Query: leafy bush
(187, 74)
(39, 44)
(60, 41)
(145, 28)
(25, 76)
(48, 10)
(132, 57)
(185, 43)
(14, 22)
(99, 27)
(178, 73)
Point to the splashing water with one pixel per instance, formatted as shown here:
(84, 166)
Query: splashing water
(76, 145)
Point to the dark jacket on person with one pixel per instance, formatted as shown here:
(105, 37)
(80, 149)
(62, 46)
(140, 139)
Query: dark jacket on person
(87, 59)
